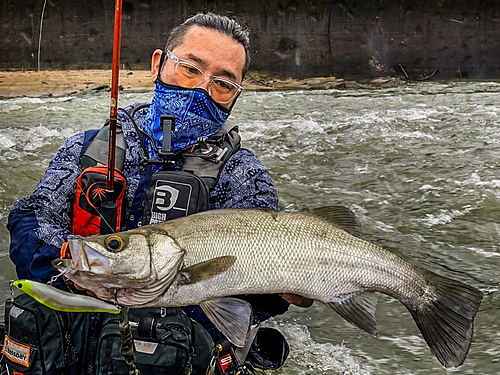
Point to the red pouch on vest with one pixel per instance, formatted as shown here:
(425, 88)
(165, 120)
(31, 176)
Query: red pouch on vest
(90, 193)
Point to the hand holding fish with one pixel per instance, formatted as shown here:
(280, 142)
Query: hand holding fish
(297, 300)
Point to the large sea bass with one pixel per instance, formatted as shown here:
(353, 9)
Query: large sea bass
(198, 259)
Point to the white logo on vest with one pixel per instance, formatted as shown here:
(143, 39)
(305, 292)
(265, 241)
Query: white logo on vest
(169, 195)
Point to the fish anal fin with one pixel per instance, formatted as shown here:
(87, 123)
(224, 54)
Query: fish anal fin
(340, 217)
(205, 270)
(358, 310)
(231, 316)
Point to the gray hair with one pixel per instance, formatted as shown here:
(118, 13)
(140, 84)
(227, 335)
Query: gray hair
(216, 22)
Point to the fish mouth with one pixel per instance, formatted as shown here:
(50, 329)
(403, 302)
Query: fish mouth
(86, 258)
(89, 266)
(75, 247)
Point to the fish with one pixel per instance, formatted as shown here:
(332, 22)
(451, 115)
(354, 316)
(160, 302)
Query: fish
(208, 258)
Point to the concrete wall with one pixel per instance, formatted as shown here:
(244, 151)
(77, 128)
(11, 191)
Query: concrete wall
(297, 38)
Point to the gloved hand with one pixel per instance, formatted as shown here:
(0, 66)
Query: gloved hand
(297, 300)
(65, 253)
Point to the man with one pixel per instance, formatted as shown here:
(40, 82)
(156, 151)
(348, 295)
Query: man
(198, 80)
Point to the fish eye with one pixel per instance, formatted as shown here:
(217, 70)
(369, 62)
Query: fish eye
(114, 243)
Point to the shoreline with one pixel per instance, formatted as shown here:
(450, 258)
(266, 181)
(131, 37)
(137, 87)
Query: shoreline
(56, 83)
(48, 83)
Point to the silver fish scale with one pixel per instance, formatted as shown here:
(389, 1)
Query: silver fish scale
(285, 252)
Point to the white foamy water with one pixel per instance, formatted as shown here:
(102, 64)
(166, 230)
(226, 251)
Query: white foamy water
(308, 357)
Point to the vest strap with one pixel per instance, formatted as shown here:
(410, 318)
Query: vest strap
(97, 152)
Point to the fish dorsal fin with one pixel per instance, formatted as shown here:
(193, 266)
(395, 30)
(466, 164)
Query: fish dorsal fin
(340, 217)
(358, 310)
(205, 270)
(231, 316)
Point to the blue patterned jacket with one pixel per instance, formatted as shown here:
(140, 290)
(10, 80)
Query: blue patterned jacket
(39, 224)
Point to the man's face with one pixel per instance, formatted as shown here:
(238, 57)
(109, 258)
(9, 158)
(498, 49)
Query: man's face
(215, 53)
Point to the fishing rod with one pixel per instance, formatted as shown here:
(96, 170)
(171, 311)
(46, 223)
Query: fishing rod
(109, 208)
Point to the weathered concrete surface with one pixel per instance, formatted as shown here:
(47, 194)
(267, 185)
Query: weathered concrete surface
(292, 38)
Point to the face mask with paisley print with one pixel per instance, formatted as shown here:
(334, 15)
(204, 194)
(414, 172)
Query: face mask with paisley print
(196, 115)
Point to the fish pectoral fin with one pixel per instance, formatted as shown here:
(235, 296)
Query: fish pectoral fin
(205, 270)
(340, 217)
(231, 316)
(358, 310)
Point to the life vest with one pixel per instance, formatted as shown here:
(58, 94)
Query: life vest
(169, 194)
(176, 193)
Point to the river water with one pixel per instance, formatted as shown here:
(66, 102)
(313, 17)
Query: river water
(418, 164)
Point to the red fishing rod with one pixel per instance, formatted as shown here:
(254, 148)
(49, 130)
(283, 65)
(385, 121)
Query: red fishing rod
(109, 209)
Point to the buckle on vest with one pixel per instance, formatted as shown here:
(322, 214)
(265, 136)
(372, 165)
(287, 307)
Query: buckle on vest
(211, 151)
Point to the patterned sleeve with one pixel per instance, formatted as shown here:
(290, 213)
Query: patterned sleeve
(244, 182)
(40, 223)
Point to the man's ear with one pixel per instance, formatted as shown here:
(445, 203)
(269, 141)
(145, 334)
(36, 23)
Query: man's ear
(155, 64)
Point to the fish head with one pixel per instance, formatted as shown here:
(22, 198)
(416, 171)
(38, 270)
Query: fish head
(133, 259)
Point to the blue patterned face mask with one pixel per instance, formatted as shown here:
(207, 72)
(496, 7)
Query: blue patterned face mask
(196, 115)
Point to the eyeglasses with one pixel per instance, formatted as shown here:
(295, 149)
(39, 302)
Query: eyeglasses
(187, 74)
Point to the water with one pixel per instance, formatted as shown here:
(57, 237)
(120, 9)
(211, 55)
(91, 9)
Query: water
(418, 165)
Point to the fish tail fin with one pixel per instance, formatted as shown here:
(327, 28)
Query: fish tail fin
(446, 318)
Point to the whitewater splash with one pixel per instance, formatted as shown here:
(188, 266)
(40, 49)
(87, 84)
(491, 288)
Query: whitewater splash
(307, 357)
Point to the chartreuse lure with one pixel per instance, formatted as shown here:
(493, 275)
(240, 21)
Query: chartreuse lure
(60, 300)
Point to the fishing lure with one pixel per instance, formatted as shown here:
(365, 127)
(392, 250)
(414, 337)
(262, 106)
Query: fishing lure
(60, 300)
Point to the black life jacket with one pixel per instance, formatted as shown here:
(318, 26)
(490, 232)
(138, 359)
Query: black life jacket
(175, 193)
(169, 193)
